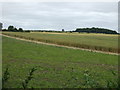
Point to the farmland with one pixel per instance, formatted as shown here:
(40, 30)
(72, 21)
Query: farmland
(59, 67)
(100, 42)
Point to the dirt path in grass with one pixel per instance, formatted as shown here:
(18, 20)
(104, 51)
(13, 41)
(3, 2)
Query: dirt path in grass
(59, 45)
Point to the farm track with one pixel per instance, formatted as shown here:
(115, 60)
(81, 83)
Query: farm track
(38, 42)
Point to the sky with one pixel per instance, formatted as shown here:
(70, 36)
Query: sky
(59, 15)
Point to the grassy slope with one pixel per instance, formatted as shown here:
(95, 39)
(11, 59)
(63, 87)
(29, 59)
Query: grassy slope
(54, 64)
(103, 40)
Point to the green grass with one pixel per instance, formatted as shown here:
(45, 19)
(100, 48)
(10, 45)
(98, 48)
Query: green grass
(101, 42)
(0, 61)
(57, 67)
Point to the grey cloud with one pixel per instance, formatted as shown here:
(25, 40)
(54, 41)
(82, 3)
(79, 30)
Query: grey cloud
(58, 15)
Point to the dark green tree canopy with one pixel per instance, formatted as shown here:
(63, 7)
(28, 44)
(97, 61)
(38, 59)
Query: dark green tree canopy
(95, 30)
(11, 28)
(63, 30)
(14, 29)
(20, 30)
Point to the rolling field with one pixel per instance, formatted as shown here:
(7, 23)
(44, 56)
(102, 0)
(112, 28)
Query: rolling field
(100, 42)
(58, 67)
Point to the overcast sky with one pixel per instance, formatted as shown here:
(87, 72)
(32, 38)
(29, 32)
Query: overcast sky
(60, 15)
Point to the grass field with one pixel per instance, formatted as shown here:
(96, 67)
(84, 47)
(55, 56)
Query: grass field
(59, 67)
(0, 62)
(101, 42)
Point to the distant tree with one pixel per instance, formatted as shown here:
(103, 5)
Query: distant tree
(15, 29)
(1, 25)
(20, 30)
(27, 31)
(4, 30)
(11, 28)
(63, 30)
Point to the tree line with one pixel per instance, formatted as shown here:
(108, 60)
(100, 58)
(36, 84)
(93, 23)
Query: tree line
(95, 30)
(80, 30)
(13, 29)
